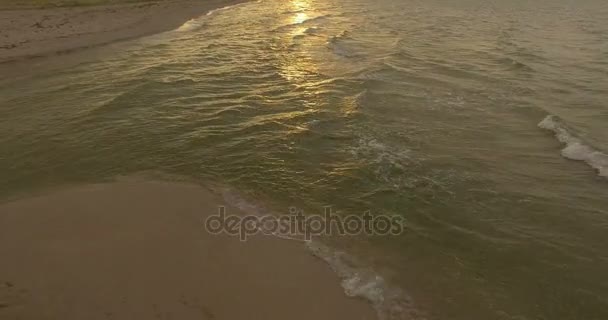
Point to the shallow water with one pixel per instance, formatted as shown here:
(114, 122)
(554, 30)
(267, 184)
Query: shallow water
(482, 123)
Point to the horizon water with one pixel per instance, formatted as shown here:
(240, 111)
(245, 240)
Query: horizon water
(482, 123)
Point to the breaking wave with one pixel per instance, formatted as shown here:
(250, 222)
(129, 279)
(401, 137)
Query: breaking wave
(225, 8)
(196, 23)
(390, 303)
(575, 148)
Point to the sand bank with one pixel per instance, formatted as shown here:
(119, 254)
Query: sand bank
(28, 33)
(139, 250)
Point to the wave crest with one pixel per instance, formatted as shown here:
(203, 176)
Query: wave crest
(390, 303)
(575, 149)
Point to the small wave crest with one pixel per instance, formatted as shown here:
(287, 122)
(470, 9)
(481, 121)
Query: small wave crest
(388, 164)
(302, 21)
(341, 45)
(197, 23)
(343, 51)
(575, 149)
(237, 200)
(389, 302)
(211, 12)
(189, 25)
(314, 19)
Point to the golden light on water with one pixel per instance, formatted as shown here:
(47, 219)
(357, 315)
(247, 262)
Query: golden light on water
(297, 64)
(300, 7)
(300, 17)
(300, 4)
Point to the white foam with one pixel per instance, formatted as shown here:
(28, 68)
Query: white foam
(241, 203)
(230, 7)
(195, 23)
(390, 303)
(380, 154)
(575, 148)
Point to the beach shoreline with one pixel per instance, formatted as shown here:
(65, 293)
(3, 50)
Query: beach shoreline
(134, 249)
(42, 32)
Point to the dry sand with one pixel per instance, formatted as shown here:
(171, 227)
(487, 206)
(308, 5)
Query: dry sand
(31, 33)
(139, 250)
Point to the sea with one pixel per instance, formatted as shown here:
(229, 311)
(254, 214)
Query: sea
(483, 123)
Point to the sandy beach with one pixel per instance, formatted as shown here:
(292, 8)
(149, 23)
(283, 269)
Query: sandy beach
(35, 32)
(134, 249)
(139, 250)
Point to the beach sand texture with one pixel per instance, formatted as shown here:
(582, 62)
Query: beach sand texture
(33, 32)
(139, 250)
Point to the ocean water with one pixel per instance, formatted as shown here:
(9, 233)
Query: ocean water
(482, 123)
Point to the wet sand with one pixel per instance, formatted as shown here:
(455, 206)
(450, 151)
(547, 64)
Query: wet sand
(28, 33)
(139, 250)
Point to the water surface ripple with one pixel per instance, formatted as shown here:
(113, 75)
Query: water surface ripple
(466, 117)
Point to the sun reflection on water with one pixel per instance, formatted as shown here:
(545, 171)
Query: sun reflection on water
(297, 65)
(300, 17)
(300, 4)
(300, 7)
